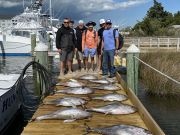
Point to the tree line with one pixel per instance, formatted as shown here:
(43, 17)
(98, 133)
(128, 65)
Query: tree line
(157, 22)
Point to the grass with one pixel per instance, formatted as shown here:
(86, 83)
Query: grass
(166, 62)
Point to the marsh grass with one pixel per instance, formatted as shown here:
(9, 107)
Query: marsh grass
(166, 62)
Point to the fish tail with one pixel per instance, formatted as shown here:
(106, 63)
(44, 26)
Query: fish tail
(60, 84)
(88, 129)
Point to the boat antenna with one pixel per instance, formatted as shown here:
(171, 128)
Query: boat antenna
(50, 12)
(23, 4)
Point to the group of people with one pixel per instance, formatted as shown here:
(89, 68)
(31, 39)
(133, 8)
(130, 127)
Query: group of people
(84, 41)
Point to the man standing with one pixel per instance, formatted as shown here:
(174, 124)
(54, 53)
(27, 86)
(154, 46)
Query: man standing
(102, 23)
(79, 31)
(89, 44)
(110, 46)
(65, 43)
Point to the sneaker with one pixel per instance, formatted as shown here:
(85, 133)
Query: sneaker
(61, 76)
(112, 76)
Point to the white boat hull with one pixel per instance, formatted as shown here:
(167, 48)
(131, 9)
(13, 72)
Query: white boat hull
(9, 101)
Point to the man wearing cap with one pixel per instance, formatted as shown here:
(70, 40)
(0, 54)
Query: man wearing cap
(65, 43)
(89, 44)
(79, 31)
(110, 46)
(102, 23)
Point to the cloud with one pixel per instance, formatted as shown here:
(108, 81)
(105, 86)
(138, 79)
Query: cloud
(77, 9)
(86, 8)
(9, 3)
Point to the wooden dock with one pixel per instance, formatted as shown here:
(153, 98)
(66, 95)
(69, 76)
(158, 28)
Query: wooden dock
(58, 127)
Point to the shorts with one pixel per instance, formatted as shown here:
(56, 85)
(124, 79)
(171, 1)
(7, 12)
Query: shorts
(79, 55)
(91, 51)
(66, 55)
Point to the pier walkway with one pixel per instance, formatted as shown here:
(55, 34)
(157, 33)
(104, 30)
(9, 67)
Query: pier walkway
(57, 127)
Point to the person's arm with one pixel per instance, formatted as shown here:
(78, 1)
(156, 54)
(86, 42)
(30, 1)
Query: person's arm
(117, 42)
(96, 40)
(75, 39)
(83, 41)
(58, 40)
(102, 45)
(117, 39)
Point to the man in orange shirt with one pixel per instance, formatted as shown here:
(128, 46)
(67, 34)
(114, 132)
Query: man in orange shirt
(89, 44)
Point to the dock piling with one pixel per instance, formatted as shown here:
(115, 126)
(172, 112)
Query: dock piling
(33, 43)
(132, 68)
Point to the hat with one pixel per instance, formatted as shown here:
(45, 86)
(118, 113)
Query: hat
(71, 21)
(81, 21)
(108, 21)
(101, 21)
(91, 23)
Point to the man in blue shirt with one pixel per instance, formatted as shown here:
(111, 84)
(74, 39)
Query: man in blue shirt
(109, 46)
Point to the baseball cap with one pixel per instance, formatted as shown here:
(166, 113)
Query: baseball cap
(101, 21)
(109, 21)
(81, 21)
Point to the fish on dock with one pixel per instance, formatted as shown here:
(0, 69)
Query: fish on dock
(78, 91)
(119, 130)
(114, 108)
(111, 97)
(72, 84)
(68, 115)
(88, 77)
(67, 101)
(102, 81)
(110, 87)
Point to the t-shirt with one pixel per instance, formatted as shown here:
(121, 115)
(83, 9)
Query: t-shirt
(109, 41)
(89, 40)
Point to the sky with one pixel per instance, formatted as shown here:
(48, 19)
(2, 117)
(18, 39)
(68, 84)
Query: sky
(122, 12)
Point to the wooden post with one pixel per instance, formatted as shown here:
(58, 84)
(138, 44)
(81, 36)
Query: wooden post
(42, 54)
(41, 57)
(150, 42)
(49, 50)
(168, 43)
(132, 68)
(158, 43)
(49, 42)
(138, 42)
(178, 44)
(33, 43)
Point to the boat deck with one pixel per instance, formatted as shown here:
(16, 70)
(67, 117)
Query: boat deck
(58, 127)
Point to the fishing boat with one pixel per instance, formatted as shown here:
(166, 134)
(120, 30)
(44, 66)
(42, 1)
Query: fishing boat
(9, 101)
(16, 38)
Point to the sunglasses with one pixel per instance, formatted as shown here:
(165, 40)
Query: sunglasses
(66, 22)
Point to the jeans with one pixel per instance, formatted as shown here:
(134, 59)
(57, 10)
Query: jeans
(108, 62)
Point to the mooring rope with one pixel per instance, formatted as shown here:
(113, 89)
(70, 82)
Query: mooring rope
(170, 78)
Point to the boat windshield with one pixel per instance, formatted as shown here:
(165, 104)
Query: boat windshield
(21, 33)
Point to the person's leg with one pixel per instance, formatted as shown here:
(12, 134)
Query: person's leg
(111, 57)
(70, 56)
(105, 63)
(86, 54)
(92, 54)
(63, 56)
(79, 58)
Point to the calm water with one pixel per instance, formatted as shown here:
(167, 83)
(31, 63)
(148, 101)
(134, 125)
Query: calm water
(165, 111)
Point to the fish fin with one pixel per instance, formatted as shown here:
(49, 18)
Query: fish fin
(60, 84)
(106, 113)
(72, 120)
(73, 80)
